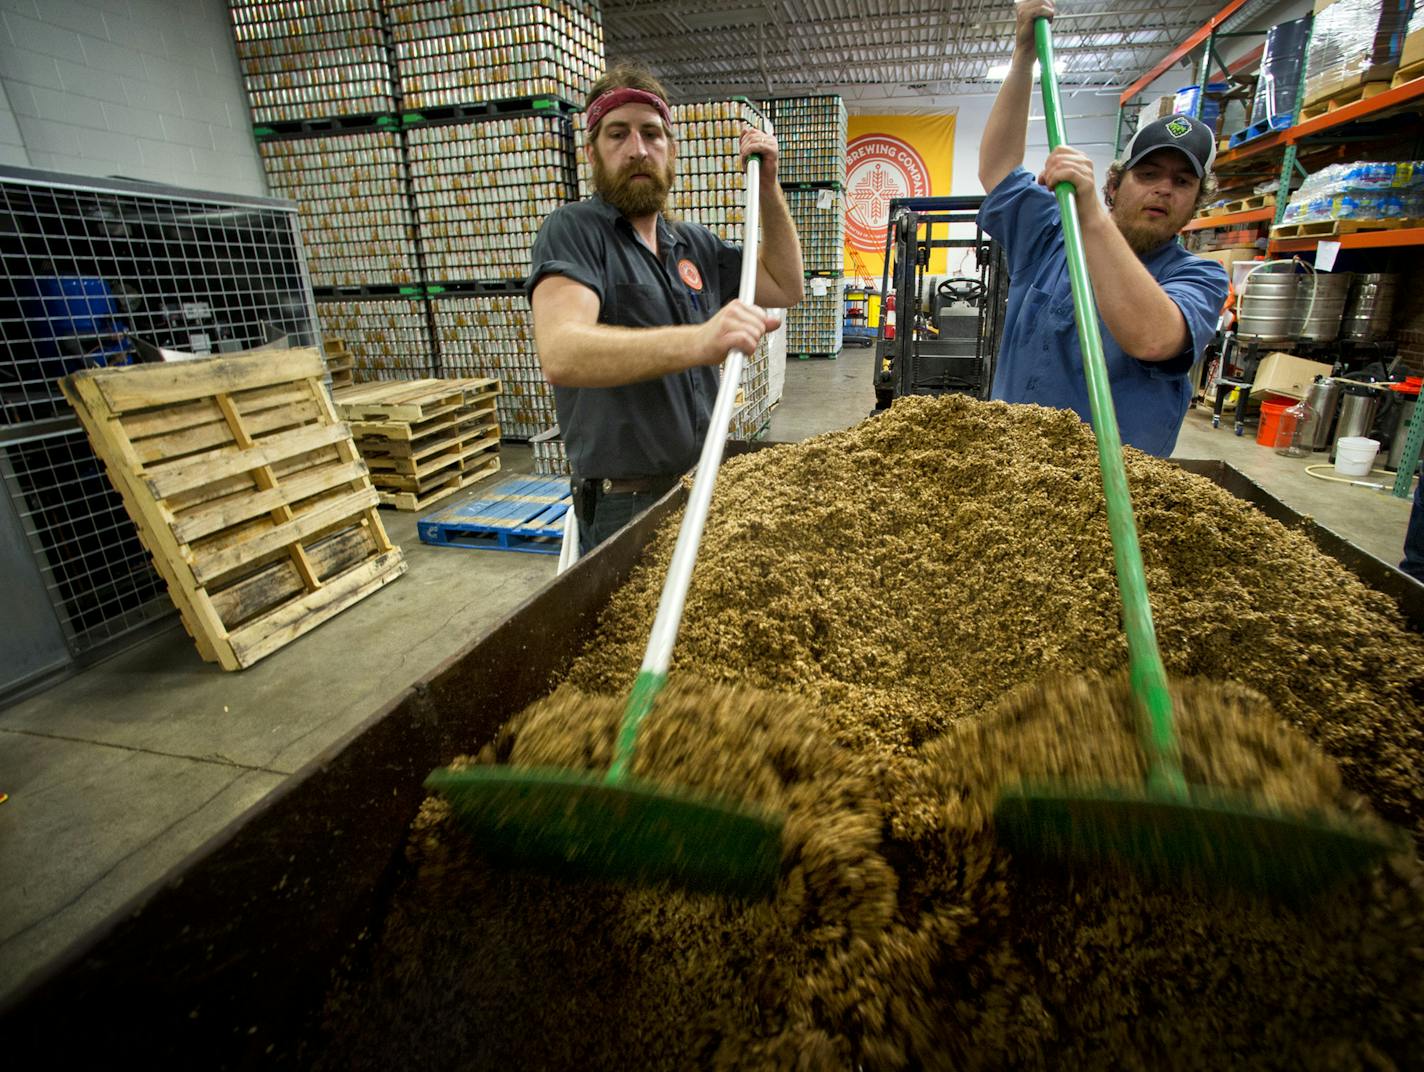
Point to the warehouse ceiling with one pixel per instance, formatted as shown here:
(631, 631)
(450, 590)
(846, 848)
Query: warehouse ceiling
(893, 47)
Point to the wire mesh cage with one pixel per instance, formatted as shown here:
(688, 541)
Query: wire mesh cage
(95, 271)
(95, 570)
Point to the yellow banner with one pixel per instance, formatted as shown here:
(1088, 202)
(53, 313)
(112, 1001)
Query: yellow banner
(890, 156)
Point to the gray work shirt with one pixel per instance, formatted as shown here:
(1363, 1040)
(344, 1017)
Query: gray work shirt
(656, 427)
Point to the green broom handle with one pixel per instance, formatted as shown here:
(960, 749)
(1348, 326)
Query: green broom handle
(1149, 676)
(663, 635)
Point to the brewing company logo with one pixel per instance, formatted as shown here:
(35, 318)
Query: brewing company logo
(690, 275)
(879, 168)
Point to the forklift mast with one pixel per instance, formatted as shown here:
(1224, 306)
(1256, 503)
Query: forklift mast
(948, 327)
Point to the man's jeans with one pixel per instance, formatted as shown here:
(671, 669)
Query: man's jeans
(610, 512)
(1413, 563)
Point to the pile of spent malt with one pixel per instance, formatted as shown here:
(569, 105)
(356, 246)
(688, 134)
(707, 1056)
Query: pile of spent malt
(885, 626)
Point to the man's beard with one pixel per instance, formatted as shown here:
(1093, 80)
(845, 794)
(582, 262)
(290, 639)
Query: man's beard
(1144, 237)
(634, 197)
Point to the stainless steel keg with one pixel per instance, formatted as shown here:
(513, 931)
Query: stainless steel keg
(1321, 400)
(1319, 317)
(1358, 404)
(1266, 309)
(1369, 306)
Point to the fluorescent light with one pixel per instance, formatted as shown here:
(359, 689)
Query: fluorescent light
(999, 71)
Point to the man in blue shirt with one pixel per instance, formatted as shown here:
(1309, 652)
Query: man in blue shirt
(1157, 304)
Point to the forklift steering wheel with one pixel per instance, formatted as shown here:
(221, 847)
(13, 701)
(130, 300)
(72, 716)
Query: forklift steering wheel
(960, 289)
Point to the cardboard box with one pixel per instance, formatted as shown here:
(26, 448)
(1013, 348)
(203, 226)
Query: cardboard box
(1413, 51)
(1353, 42)
(1157, 109)
(1227, 257)
(1285, 374)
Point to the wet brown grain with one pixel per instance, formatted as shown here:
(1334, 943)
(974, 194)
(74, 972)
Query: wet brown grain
(885, 626)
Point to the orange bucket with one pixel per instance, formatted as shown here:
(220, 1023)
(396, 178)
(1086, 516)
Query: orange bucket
(1273, 408)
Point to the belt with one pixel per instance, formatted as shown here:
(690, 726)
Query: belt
(641, 484)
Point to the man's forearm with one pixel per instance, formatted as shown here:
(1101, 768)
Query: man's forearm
(602, 355)
(1004, 141)
(1146, 323)
(779, 256)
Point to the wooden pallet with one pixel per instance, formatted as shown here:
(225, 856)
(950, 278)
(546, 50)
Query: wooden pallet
(340, 362)
(1407, 74)
(476, 469)
(1246, 204)
(1342, 97)
(424, 439)
(520, 514)
(412, 474)
(247, 490)
(409, 400)
(417, 436)
(1336, 228)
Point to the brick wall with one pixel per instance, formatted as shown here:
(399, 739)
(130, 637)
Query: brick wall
(146, 89)
(1407, 324)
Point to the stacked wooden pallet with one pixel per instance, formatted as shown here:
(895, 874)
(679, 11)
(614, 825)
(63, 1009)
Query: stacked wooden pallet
(247, 490)
(1341, 97)
(340, 362)
(1336, 228)
(423, 439)
(1245, 204)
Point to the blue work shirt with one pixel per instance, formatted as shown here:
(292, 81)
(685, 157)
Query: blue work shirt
(1040, 360)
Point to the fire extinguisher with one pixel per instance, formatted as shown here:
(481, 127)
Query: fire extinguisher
(889, 316)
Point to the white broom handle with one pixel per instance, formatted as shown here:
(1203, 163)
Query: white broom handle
(694, 518)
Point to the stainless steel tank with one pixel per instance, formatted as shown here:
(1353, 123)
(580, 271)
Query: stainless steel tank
(1266, 309)
(1369, 306)
(1358, 403)
(1319, 319)
(1322, 399)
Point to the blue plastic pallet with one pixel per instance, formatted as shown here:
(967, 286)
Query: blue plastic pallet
(1265, 126)
(519, 514)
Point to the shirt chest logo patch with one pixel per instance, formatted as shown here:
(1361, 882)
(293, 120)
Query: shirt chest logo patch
(689, 273)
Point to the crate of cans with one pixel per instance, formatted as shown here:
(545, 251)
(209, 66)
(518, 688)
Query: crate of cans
(388, 339)
(752, 410)
(819, 216)
(550, 458)
(751, 421)
(311, 60)
(482, 189)
(710, 187)
(352, 203)
(451, 54)
(816, 324)
(493, 335)
(812, 135)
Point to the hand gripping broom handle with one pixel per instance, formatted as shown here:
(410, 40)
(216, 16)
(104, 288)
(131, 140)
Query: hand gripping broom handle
(1149, 676)
(653, 673)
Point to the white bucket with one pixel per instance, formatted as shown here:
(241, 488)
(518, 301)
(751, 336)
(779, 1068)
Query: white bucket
(1355, 455)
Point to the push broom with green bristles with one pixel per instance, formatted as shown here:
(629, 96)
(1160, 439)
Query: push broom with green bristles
(612, 825)
(1164, 829)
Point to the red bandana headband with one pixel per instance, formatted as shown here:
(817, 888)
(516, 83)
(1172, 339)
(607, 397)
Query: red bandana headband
(616, 98)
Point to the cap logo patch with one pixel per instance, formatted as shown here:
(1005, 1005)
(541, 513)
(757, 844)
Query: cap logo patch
(1179, 128)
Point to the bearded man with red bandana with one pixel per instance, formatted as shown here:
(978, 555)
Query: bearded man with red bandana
(633, 312)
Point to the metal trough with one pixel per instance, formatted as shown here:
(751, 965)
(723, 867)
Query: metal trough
(225, 962)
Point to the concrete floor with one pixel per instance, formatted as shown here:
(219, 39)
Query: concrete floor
(118, 773)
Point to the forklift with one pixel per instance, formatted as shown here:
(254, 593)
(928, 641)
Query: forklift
(949, 326)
